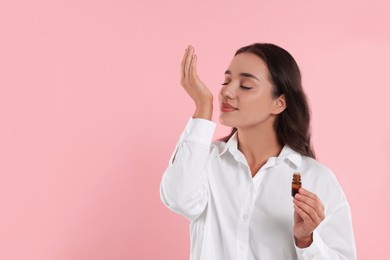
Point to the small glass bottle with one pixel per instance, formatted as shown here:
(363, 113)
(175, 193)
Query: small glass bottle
(296, 183)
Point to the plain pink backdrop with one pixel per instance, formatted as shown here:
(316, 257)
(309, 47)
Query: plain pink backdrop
(91, 109)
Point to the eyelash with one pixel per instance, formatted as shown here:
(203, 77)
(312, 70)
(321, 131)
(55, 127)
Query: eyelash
(243, 87)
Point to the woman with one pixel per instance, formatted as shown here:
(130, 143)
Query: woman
(237, 191)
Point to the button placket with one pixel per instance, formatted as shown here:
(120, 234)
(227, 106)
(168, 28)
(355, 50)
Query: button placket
(243, 225)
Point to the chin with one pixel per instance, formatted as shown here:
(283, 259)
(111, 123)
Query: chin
(226, 122)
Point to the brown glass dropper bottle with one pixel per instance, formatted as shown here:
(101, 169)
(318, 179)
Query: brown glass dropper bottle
(296, 183)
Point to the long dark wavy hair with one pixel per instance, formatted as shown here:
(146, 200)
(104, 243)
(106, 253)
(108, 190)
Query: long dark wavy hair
(293, 124)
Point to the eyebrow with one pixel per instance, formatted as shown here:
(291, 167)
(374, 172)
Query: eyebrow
(244, 74)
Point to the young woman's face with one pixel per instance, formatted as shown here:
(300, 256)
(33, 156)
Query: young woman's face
(246, 98)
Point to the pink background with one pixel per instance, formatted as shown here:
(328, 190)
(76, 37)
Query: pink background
(91, 109)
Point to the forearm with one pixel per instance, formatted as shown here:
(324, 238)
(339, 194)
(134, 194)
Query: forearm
(184, 183)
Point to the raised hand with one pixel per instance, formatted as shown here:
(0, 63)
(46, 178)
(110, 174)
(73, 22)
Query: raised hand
(190, 81)
(308, 214)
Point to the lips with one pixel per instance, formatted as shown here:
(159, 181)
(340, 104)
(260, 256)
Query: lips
(228, 108)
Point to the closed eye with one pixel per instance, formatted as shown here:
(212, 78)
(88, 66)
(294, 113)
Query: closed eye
(243, 87)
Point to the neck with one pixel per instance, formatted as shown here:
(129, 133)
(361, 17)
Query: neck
(258, 143)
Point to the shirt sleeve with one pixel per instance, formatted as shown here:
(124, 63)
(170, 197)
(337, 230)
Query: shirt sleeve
(333, 239)
(184, 184)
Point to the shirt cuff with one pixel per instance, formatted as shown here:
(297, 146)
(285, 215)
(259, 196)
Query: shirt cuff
(199, 130)
(314, 251)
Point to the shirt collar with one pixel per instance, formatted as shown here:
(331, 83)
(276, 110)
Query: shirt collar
(289, 154)
(286, 153)
(230, 145)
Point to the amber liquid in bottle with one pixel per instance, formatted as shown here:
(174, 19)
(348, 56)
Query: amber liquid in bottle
(296, 183)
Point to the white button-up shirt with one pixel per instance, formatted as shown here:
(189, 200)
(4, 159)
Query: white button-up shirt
(234, 216)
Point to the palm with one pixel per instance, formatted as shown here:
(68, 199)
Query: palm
(201, 91)
(300, 230)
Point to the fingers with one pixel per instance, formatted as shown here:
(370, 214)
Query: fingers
(310, 204)
(307, 213)
(193, 67)
(310, 199)
(187, 61)
(188, 65)
(183, 62)
(307, 193)
(305, 217)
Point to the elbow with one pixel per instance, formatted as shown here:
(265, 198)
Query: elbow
(186, 205)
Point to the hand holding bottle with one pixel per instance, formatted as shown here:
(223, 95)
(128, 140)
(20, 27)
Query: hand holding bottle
(308, 214)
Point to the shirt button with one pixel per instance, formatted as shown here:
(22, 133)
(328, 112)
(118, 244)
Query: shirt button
(242, 247)
(244, 217)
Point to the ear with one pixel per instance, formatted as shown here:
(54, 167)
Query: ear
(279, 104)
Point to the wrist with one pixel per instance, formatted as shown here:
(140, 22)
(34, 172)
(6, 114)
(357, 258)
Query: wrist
(204, 110)
(204, 102)
(304, 242)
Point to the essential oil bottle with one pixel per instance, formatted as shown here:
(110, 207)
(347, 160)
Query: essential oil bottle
(296, 183)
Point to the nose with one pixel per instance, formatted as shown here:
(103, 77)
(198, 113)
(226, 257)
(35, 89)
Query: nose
(228, 92)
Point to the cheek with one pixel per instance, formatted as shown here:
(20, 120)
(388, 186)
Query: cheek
(258, 106)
